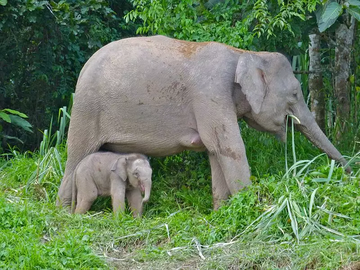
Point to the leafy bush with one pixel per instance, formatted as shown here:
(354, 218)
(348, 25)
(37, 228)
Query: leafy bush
(15, 118)
(44, 45)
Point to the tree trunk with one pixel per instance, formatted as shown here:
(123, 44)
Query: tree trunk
(316, 87)
(344, 39)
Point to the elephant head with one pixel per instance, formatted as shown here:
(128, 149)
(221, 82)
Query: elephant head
(139, 175)
(272, 92)
(136, 169)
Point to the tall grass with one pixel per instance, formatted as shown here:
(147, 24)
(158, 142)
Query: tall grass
(298, 205)
(300, 211)
(50, 157)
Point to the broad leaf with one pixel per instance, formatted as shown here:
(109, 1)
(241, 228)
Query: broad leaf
(5, 117)
(318, 12)
(3, 2)
(355, 11)
(354, 2)
(23, 115)
(330, 14)
(18, 121)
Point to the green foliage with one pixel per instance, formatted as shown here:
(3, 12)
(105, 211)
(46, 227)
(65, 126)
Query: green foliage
(191, 20)
(18, 168)
(267, 22)
(51, 158)
(29, 238)
(47, 168)
(56, 139)
(328, 14)
(237, 24)
(46, 45)
(353, 7)
(15, 118)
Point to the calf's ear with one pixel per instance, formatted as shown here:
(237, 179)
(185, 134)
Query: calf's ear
(119, 168)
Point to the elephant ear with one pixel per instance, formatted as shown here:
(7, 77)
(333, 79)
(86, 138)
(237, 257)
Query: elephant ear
(250, 75)
(119, 168)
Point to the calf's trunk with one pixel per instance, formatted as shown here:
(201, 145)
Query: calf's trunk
(147, 186)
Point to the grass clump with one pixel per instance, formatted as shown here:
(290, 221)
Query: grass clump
(31, 237)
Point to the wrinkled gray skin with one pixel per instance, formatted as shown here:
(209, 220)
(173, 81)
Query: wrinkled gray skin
(115, 175)
(159, 96)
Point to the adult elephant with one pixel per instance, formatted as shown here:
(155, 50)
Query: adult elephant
(159, 96)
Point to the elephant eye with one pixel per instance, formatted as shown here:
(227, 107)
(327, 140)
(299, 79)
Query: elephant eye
(293, 98)
(136, 174)
(295, 94)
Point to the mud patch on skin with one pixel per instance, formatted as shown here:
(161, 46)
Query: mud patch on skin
(177, 86)
(189, 48)
(173, 91)
(228, 152)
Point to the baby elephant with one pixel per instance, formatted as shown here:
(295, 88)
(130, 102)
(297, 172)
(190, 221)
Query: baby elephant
(115, 175)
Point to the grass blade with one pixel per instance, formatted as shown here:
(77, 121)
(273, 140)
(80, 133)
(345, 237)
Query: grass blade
(312, 199)
(294, 224)
(332, 165)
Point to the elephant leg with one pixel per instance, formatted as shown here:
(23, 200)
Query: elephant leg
(221, 136)
(220, 190)
(86, 194)
(235, 167)
(134, 198)
(84, 203)
(77, 150)
(64, 196)
(118, 195)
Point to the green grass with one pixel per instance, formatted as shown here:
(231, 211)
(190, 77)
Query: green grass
(304, 218)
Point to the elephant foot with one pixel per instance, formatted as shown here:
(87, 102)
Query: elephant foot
(64, 196)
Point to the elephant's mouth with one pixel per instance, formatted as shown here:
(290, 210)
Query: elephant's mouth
(142, 188)
(276, 127)
(280, 134)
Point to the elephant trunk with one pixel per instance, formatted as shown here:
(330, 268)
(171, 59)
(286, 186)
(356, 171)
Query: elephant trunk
(312, 131)
(147, 187)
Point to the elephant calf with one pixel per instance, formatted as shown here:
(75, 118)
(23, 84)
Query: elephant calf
(115, 175)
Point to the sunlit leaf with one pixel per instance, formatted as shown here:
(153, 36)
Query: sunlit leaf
(23, 115)
(5, 117)
(352, 78)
